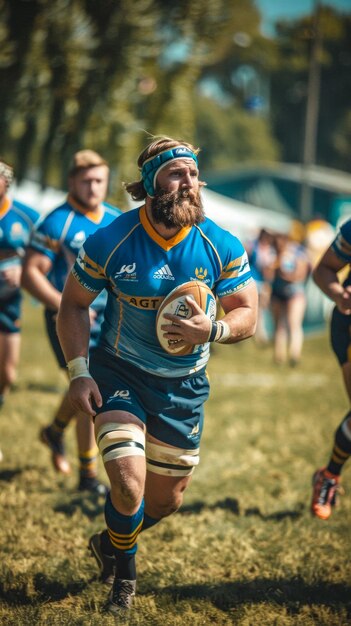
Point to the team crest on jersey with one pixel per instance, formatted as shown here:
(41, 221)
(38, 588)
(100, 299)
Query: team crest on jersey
(200, 273)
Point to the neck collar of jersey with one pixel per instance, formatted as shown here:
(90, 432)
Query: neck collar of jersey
(5, 206)
(166, 244)
(95, 216)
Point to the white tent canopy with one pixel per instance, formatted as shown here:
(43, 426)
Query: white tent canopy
(241, 219)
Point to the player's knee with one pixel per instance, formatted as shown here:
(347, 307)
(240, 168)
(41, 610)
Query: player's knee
(127, 489)
(169, 506)
(171, 461)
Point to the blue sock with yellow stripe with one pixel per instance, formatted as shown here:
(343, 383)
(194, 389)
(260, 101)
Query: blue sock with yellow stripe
(88, 463)
(123, 531)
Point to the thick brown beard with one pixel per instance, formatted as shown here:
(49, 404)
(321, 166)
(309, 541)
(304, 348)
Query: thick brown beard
(177, 209)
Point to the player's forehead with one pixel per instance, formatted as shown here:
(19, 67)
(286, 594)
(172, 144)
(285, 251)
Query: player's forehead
(92, 173)
(180, 164)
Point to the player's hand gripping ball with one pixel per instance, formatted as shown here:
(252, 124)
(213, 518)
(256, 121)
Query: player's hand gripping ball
(175, 304)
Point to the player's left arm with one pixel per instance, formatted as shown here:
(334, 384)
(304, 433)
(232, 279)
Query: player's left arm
(240, 313)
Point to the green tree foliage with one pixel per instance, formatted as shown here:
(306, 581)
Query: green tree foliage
(235, 136)
(105, 74)
(290, 84)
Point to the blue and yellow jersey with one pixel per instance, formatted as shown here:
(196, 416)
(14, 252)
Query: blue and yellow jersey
(138, 268)
(342, 246)
(16, 223)
(62, 232)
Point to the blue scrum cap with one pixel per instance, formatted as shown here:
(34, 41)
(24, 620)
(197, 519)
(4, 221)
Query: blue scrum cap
(152, 166)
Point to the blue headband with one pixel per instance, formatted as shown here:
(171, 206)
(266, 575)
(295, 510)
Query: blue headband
(152, 166)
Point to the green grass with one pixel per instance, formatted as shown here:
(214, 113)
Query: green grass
(243, 549)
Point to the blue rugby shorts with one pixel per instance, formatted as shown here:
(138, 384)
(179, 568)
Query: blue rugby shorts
(10, 313)
(171, 408)
(340, 336)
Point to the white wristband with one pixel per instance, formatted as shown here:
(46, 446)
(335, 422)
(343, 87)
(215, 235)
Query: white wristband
(219, 332)
(223, 332)
(78, 368)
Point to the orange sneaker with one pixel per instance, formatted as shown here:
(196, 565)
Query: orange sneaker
(325, 490)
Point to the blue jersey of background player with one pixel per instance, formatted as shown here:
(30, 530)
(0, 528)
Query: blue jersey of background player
(59, 236)
(333, 276)
(138, 270)
(53, 248)
(16, 222)
(148, 404)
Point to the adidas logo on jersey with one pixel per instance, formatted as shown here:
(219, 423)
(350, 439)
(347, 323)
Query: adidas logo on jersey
(164, 273)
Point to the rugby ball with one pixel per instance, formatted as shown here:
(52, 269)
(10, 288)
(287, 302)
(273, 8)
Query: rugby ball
(175, 303)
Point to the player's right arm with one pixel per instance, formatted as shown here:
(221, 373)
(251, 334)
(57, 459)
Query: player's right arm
(325, 275)
(36, 267)
(73, 329)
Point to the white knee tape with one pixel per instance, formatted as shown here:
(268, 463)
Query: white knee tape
(171, 461)
(119, 440)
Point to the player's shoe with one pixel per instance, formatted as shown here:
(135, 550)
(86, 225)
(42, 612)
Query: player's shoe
(93, 485)
(106, 563)
(325, 490)
(121, 596)
(56, 445)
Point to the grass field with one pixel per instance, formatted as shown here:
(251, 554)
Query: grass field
(243, 549)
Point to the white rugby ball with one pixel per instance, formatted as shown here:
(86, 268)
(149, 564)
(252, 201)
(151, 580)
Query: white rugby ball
(175, 303)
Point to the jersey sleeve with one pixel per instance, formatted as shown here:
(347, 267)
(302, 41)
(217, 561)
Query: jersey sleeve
(235, 271)
(46, 236)
(342, 243)
(88, 268)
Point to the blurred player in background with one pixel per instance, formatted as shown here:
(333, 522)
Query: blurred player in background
(147, 403)
(16, 221)
(337, 258)
(53, 248)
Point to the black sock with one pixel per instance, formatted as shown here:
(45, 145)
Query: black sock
(126, 568)
(105, 542)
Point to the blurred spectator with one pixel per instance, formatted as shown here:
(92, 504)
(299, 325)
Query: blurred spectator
(262, 257)
(288, 299)
(319, 236)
